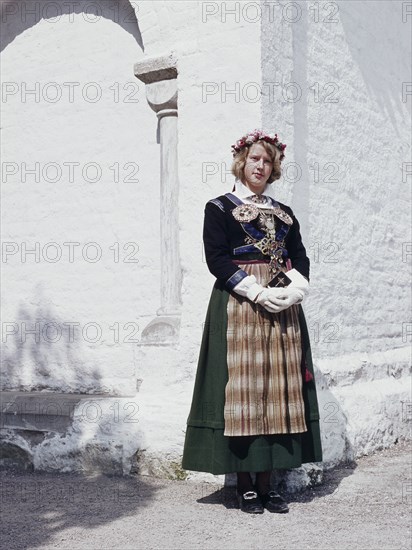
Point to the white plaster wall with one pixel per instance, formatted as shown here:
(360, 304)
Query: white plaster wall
(118, 129)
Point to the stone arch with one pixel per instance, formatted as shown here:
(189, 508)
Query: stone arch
(17, 16)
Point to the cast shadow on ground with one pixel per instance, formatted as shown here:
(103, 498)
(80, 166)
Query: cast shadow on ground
(329, 487)
(48, 504)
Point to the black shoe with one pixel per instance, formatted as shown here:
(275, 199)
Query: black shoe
(273, 502)
(250, 503)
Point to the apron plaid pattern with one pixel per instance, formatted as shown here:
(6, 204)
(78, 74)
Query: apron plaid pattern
(263, 394)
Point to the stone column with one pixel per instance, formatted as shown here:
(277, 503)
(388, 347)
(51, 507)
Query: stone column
(160, 76)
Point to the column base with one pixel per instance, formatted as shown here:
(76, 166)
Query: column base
(161, 331)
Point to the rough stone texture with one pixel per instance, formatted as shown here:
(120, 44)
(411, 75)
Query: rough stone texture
(15, 456)
(151, 70)
(98, 433)
(350, 194)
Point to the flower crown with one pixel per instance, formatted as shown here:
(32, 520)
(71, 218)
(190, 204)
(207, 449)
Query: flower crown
(253, 137)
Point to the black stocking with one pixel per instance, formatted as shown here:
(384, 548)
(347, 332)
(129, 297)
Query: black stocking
(263, 482)
(244, 482)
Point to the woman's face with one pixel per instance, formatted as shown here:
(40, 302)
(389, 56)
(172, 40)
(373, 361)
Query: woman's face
(258, 168)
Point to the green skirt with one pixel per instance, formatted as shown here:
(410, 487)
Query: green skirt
(206, 449)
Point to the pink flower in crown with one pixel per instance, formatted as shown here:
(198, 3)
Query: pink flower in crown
(253, 136)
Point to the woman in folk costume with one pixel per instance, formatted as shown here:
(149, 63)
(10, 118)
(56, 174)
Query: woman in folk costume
(254, 406)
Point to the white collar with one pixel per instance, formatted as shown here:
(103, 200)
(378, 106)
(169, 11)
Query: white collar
(243, 192)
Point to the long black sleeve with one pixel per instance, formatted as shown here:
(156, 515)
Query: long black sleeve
(217, 247)
(296, 250)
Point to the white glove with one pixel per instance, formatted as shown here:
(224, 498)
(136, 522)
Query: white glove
(274, 299)
(270, 298)
(256, 293)
(286, 298)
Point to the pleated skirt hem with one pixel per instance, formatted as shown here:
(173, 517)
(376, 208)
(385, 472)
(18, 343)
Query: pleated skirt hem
(208, 450)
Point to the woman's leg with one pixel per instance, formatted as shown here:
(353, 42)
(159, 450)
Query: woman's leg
(271, 500)
(244, 483)
(263, 482)
(247, 497)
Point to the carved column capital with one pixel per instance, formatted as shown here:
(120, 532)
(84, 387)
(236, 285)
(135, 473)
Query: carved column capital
(154, 69)
(160, 76)
(162, 97)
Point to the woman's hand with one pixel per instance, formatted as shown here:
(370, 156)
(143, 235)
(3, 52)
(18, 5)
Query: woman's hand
(268, 296)
(273, 299)
(282, 298)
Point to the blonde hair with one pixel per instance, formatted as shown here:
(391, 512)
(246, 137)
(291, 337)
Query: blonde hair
(239, 161)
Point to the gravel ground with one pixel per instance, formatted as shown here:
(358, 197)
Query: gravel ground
(366, 505)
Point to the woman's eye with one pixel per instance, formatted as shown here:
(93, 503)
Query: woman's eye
(257, 158)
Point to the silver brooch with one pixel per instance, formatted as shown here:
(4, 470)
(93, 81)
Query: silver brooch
(281, 214)
(245, 212)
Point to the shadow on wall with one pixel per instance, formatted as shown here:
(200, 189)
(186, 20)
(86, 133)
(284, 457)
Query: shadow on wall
(20, 15)
(379, 39)
(40, 351)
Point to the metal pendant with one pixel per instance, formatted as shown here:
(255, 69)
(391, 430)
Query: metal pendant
(245, 212)
(282, 215)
